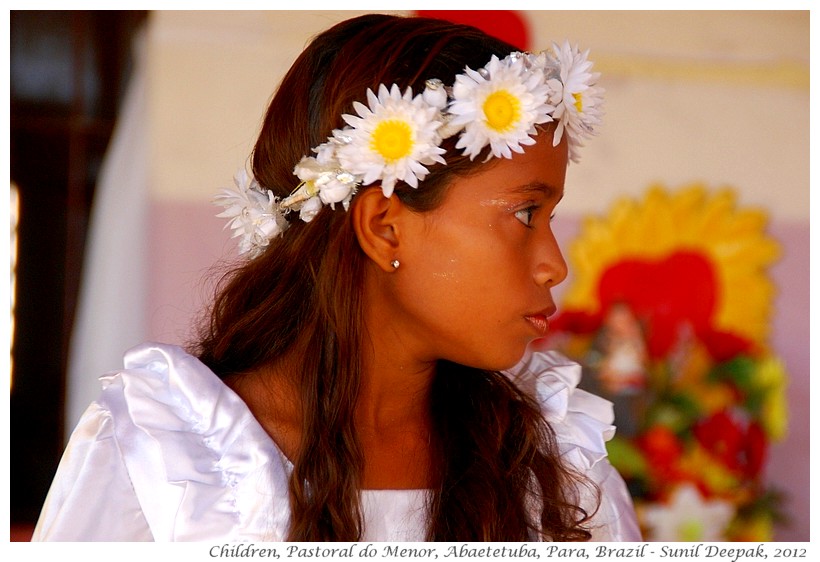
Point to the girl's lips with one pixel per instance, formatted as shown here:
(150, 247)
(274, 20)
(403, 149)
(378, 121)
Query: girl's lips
(540, 322)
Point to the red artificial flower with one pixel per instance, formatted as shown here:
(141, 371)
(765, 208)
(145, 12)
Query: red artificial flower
(663, 450)
(741, 447)
(755, 450)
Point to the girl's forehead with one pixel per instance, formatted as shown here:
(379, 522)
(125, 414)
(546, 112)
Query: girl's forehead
(539, 171)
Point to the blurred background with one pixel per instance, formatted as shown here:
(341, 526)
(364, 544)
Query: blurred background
(124, 124)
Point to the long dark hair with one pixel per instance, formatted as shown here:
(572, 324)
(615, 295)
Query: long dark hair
(501, 477)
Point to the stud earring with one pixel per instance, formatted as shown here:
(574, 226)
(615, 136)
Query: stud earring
(395, 264)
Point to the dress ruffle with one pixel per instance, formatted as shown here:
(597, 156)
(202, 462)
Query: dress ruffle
(196, 455)
(583, 424)
(582, 421)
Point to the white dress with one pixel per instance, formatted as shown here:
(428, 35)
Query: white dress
(170, 453)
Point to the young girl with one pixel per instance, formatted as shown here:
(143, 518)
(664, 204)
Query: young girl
(364, 374)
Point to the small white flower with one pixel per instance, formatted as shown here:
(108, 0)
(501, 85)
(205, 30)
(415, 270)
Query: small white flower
(326, 152)
(499, 106)
(310, 208)
(688, 517)
(254, 214)
(577, 98)
(391, 140)
(329, 181)
(435, 93)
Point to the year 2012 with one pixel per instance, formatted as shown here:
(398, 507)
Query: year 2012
(789, 552)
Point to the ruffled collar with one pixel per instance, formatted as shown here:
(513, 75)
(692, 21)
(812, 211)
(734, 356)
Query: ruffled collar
(583, 422)
(204, 467)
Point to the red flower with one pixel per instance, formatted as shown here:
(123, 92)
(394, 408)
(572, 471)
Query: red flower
(722, 437)
(741, 447)
(662, 449)
(755, 450)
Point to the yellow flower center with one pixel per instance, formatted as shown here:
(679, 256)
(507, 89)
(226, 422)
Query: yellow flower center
(502, 110)
(392, 139)
(690, 530)
(578, 103)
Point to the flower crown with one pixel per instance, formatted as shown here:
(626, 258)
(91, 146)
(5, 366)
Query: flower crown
(397, 135)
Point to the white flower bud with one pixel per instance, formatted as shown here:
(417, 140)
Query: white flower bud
(435, 94)
(334, 192)
(310, 209)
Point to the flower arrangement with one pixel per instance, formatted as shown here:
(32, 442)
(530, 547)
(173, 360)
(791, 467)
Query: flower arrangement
(397, 135)
(668, 314)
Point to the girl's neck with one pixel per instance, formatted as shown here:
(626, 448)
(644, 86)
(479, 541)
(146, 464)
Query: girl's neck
(393, 422)
(392, 415)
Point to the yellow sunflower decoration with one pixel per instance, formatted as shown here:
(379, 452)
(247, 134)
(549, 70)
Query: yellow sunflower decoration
(695, 253)
(669, 313)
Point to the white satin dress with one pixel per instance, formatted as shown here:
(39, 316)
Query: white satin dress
(170, 453)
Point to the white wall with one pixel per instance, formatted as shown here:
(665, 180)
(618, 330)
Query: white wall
(716, 95)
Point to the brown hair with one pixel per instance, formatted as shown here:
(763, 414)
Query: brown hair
(305, 290)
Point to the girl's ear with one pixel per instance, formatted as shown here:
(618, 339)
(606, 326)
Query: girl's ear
(376, 221)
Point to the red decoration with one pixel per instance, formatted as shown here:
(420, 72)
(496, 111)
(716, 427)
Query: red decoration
(713, 396)
(663, 451)
(507, 25)
(740, 446)
(664, 295)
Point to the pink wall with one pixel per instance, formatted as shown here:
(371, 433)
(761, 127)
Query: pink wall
(186, 240)
(790, 460)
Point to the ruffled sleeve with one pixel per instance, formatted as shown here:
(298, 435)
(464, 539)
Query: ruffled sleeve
(194, 459)
(583, 423)
(91, 497)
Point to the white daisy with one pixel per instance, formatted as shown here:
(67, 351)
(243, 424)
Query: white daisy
(253, 212)
(576, 97)
(391, 140)
(500, 106)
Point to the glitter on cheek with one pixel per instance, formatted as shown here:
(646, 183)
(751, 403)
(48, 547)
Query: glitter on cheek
(450, 274)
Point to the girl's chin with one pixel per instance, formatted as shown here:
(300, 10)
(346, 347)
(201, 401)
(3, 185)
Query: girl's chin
(502, 363)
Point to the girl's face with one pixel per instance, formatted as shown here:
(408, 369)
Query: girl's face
(474, 285)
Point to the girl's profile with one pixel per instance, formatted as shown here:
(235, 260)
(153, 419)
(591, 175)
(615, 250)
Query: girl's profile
(365, 371)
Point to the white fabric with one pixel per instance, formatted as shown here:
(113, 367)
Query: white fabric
(170, 453)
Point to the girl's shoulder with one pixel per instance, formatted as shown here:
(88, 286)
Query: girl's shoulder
(192, 446)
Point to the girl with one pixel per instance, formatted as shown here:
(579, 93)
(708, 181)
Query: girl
(360, 376)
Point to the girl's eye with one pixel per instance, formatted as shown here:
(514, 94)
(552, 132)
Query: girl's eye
(525, 215)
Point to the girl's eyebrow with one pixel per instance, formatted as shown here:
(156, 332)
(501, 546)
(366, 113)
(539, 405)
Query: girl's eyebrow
(547, 190)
